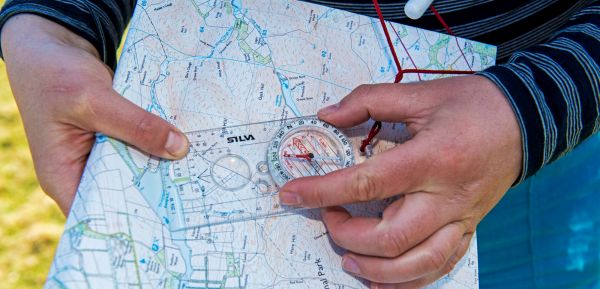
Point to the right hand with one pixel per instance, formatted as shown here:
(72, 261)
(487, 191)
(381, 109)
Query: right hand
(64, 94)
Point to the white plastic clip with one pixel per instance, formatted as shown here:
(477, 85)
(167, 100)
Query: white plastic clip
(414, 9)
(368, 151)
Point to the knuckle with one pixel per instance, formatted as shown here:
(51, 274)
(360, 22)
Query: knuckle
(144, 130)
(83, 108)
(435, 260)
(72, 94)
(457, 256)
(90, 104)
(364, 186)
(316, 196)
(360, 93)
(451, 264)
(448, 267)
(462, 197)
(317, 199)
(454, 151)
(393, 243)
(335, 237)
(451, 157)
(447, 270)
(363, 89)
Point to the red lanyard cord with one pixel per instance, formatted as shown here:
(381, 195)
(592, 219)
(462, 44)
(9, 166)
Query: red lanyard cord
(389, 41)
(441, 20)
(377, 125)
(372, 133)
(406, 50)
(401, 71)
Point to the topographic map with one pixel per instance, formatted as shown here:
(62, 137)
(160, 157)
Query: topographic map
(230, 73)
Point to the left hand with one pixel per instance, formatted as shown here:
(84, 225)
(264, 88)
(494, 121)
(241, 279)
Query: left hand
(65, 95)
(464, 155)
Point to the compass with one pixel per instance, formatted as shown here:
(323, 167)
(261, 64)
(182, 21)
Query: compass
(308, 147)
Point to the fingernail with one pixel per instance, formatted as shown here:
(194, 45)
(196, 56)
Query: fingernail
(176, 144)
(290, 199)
(329, 109)
(350, 265)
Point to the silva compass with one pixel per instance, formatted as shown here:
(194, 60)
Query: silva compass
(307, 147)
(249, 163)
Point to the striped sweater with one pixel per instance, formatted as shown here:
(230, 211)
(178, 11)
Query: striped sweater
(548, 55)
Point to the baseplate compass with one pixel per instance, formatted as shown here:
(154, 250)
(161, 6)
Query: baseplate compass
(247, 164)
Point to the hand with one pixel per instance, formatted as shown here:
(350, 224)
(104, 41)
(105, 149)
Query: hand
(64, 94)
(464, 155)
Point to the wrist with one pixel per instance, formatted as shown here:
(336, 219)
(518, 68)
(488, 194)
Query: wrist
(25, 31)
(507, 123)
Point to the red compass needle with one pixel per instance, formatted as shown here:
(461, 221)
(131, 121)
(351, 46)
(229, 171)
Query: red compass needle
(308, 156)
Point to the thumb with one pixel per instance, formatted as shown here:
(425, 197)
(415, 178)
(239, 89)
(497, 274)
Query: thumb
(117, 117)
(387, 102)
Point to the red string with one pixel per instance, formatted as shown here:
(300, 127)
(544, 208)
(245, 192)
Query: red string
(377, 125)
(406, 50)
(401, 71)
(438, 71)
(441, 20)
(367, 141)
(389, 41)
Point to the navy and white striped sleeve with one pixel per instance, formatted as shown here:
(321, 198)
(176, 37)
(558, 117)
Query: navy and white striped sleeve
(101, 22)
(554, 89)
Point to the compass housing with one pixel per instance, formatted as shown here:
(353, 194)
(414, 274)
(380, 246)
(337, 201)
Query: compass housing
(308, 147)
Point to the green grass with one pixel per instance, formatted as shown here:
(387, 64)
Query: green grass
(30, 222)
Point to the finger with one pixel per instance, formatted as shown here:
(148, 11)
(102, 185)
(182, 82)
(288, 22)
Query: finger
(399, 170)
(428, 257)
(357, 234)
(406, 223)
(117, 117)
(385, 102)
(429, 279)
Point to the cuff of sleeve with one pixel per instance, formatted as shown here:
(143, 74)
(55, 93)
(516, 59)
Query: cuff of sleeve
(519, 96)
(60, 16)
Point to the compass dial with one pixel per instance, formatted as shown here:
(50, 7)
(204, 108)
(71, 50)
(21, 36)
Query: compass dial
(308, 147)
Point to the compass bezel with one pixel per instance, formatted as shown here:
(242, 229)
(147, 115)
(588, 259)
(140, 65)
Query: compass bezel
(278, 171)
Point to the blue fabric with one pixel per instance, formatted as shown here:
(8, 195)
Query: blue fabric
(545, 233)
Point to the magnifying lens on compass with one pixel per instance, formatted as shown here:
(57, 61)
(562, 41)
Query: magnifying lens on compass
(308, 147)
